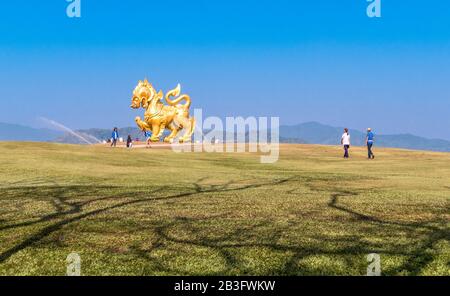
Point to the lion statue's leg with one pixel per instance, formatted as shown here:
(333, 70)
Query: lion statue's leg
(174, 131)
(192, 129)
(155, 133)
(142, 124)
(162, 128)
(189, 125)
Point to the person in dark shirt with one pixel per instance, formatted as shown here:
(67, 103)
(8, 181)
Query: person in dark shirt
(129, 142)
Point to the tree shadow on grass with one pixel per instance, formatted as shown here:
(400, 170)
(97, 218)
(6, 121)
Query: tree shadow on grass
(265, 234)
(56, 195)
(228, 245)
(419, 258)
(78, 208)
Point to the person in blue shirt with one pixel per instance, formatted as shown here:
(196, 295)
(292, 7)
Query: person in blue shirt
(369, 143)
(114, 137)
(147, 135)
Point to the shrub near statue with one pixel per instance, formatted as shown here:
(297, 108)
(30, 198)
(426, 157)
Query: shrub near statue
(159, 117)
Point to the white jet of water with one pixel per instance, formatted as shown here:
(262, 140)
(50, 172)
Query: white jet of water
(66, 129)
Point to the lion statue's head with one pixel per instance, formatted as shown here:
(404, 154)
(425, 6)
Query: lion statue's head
(143, 93)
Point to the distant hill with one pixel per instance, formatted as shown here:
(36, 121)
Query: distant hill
(99, 134)
(15, 132)
(309, 132)
(317, 133)
(314, 133)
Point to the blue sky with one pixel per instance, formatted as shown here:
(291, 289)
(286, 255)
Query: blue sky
(321, 60)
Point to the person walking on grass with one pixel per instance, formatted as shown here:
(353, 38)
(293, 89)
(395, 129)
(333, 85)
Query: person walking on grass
(369, 143)
(147, 135)
(114, 137)
(129, 142)
(345, 141)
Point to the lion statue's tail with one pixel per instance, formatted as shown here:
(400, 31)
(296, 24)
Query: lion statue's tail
(175, 93)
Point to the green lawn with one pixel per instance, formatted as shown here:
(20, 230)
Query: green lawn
(156, 212)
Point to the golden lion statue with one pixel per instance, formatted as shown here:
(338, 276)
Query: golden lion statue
(159, 117)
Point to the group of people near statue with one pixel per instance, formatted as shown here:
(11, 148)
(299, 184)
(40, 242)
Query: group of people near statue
(115, 138)
(345, 141)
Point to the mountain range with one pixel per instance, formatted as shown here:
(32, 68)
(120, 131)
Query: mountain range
(317, 133)
(309, 132)
(16, 132)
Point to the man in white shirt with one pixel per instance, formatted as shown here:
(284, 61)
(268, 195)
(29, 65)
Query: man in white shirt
(345, 140)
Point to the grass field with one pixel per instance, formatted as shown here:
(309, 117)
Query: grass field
(156, 212)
